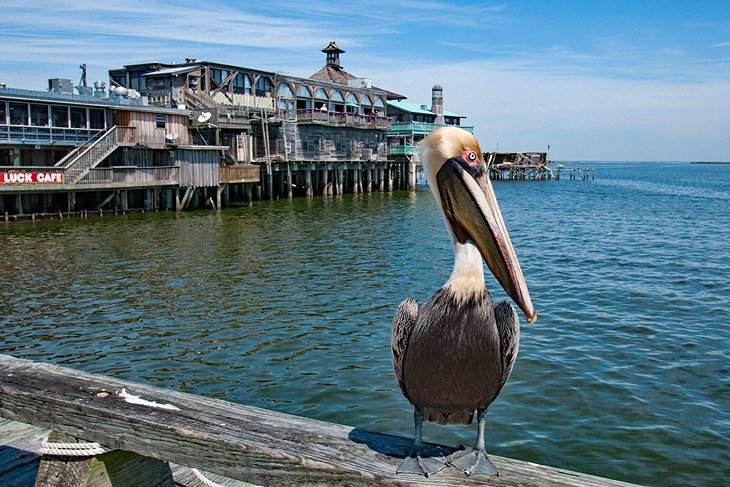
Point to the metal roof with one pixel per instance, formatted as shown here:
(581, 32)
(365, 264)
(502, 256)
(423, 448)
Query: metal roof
(418, 109)
(174, 71)
(85, 100)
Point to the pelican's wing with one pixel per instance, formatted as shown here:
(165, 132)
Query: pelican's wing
(403, 323)
(508, 326)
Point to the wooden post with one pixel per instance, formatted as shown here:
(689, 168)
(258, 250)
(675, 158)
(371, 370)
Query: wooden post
(111, 469)
(289, 191)
(412, 176)
(308, 181)
(218, 194)
(325, 188)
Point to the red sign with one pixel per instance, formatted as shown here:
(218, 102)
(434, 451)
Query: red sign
(45, 177)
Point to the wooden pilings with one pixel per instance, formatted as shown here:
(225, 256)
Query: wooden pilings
(310, 178)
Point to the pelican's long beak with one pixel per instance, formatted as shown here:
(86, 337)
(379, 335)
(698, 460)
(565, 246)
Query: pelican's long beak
(471, 208)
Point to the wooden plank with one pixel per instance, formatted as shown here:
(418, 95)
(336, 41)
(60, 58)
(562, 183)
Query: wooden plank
(246, 443)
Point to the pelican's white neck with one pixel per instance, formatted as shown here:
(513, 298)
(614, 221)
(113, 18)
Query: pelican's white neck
(467, 278)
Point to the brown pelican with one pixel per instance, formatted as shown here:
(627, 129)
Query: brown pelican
(453, 354)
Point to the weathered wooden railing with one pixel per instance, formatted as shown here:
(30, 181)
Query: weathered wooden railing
(130, 177)
(78, 149)
(241, 442)
(239, 173)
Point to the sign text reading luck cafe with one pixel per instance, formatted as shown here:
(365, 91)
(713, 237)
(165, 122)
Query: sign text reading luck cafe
(42, 177)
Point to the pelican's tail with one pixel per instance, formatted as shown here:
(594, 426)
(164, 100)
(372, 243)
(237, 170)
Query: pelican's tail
(448, 417)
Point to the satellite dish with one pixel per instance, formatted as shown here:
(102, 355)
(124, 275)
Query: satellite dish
(204, 117)
(171, 137)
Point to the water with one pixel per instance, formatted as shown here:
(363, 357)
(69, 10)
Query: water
(287, 306)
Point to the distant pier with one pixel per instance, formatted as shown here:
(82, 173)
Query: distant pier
(530, 166)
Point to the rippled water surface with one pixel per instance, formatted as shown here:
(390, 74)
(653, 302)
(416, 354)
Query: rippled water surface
(287, 305)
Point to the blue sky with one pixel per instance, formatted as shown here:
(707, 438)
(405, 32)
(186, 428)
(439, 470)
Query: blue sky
(596, 80)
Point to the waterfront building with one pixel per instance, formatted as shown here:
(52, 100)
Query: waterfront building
(324, 134)
(412, 122)
(171, 136)
(264, 116)
(65, 152)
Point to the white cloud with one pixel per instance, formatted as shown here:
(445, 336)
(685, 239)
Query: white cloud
(587, 117)
(613, 99)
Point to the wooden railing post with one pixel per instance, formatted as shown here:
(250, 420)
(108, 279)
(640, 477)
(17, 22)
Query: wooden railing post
(111, 469)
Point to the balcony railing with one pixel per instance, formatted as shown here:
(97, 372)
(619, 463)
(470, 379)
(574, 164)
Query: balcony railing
(403, 150)
(340, 119)
(420, 128)
(23, 134)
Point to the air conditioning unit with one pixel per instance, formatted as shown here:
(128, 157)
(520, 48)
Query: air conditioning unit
(359, 83)
(60, 85)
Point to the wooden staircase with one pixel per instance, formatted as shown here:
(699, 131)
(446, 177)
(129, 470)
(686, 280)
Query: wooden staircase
(81, 160)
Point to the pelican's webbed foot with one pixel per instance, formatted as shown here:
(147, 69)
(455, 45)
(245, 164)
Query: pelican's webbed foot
(423, 460)
(473, 461)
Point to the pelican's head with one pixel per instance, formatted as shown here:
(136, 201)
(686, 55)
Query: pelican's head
(459, 178)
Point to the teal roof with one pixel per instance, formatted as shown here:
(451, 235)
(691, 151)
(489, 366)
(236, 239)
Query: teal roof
(416, 108)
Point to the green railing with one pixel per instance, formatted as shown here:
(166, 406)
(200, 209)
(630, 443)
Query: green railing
(419, 128)
(403, 150)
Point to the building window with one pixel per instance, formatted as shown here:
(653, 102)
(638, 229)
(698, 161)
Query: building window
(96, 119)
(284, 91)
(3, 114)
(39, 115)
(242, 84)
(120, 79)
(352, 105)
(366, 105)
(78, 117)
(218, 75)
(18, 113)
(59, 116)
(263, 86)
(160, 121)
(137, 81)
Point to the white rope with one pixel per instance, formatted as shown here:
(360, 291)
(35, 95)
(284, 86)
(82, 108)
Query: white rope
(204, 480)
(72, 449)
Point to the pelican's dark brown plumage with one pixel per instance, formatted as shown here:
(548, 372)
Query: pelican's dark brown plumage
(453, 355)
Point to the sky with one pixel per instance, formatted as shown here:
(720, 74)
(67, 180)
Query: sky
(594, 80)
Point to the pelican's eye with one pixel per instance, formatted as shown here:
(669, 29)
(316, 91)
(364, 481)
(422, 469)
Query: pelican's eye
(471, 162)
(470, 156)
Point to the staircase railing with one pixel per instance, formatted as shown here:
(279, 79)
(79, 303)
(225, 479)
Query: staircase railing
(79, 166)
(85, 145)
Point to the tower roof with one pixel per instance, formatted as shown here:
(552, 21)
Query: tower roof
(332, 48)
